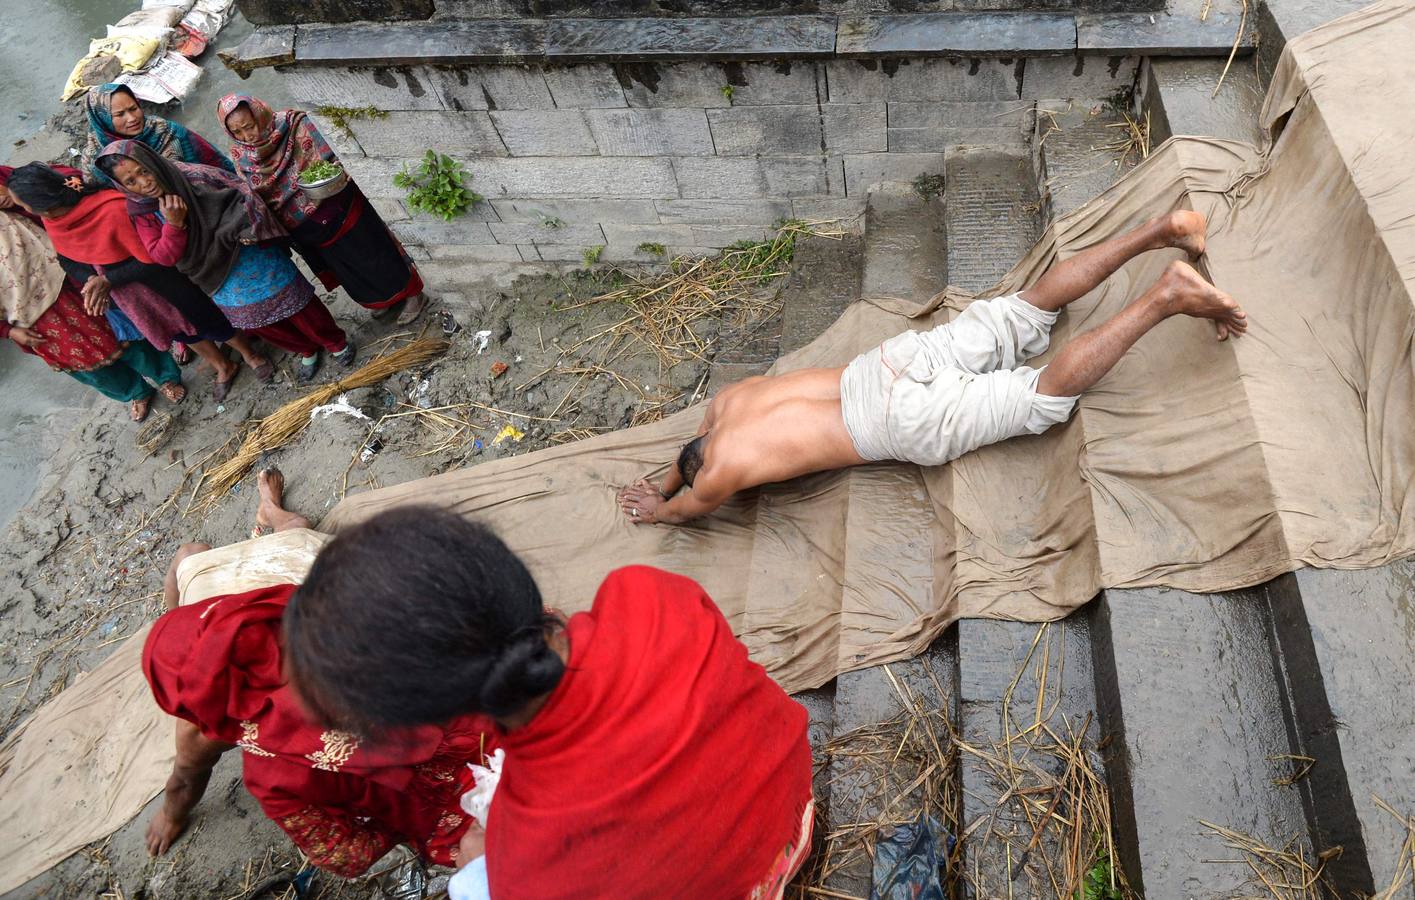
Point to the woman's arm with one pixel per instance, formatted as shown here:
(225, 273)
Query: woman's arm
(164, 241)
(79, 272)
(191, 770)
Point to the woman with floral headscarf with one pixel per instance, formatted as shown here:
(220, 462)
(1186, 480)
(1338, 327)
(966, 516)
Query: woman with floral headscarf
(210, 226)
(343, 238)
(114, 114)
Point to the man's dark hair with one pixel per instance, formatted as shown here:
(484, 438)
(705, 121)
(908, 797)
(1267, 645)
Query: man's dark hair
(418, 616)
(42, 189)
(690, 459)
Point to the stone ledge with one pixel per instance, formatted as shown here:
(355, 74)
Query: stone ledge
(568, 41)
(957, 34)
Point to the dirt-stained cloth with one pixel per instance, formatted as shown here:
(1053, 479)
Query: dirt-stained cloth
(1194, 464)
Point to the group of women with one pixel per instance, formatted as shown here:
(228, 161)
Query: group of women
(160, 243)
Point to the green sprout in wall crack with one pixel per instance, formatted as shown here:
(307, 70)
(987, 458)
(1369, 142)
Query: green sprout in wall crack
(591, 255)
(436, 187)
(727, 92)
(551, 222)
(653, 247)
(341, 116)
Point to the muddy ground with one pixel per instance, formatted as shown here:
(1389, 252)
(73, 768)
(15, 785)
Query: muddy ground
(81, 566)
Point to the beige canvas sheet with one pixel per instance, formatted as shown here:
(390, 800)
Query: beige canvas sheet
(1194, 464)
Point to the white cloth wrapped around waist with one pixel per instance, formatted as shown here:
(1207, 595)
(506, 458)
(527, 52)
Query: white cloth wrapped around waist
(928, 397)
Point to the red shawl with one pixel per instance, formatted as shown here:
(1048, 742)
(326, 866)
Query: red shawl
(666, 764)
(217, 664)
(97, 231)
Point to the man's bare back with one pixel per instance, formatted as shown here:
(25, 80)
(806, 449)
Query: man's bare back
(756, 431)
(774, 428)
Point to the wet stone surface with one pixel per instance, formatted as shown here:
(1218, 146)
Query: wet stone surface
(1181, 34)
(422, 42)
(1189, 695)
(765, 37)
(967, 34)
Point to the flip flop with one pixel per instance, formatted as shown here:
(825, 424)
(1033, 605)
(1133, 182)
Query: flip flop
(221, 389)
(139, 412)
(173, 387)
(265, 372)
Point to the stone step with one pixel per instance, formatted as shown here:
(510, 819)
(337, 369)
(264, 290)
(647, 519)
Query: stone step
(825, 279)
(906, 251)
(1349, 651)
(992, 215)
(1081, 148)
(904, 256)
(1013, 677)
(1196, 715)
(1178, 96)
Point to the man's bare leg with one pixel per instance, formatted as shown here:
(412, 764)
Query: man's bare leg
(170, 594)
(271, 513)
(1179, 291)
(1078, 276)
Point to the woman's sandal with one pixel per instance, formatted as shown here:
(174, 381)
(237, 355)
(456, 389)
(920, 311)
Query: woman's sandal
(265, 372)
(223, 388)
(174, 391)
(138, 409)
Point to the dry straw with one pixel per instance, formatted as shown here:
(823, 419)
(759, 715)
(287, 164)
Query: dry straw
(289, 421)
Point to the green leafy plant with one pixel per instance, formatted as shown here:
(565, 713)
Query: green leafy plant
(551, 222)
(928, 186)
(1097, 883)
(436, 187)
(319, 170)
(727, 92)
(341, 116)
(653, 247)
(591, 255)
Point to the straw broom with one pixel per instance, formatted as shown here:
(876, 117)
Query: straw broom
(289, 421)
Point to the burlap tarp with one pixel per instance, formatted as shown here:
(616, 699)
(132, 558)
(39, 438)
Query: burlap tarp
(1194, 464)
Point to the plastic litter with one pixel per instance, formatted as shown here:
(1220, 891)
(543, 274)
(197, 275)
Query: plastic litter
(171, 77)
(341, 406)
(483, 338)
(370, 449)
(401, 875)
(511, 432)
(477, 802)
(911, 862)
(498, 369)
(450, 325)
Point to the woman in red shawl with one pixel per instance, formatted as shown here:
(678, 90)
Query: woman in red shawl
(343, 238)
(44, 314)
(216, 665)
(646, 756)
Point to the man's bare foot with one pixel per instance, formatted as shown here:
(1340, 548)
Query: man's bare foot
(271, 513)
(1185, 230)
(1187, 293)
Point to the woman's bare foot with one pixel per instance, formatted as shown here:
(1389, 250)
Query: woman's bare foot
(174, 391)
(1185, 230)
(271, 513)
(137, 409)
(1187, 293)
(412, 308)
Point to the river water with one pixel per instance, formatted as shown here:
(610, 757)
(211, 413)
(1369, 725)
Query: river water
(40, 40)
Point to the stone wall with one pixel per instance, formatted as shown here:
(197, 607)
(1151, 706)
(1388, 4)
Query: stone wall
(622, 155)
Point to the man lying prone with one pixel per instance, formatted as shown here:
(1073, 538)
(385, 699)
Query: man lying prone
(929, 397)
